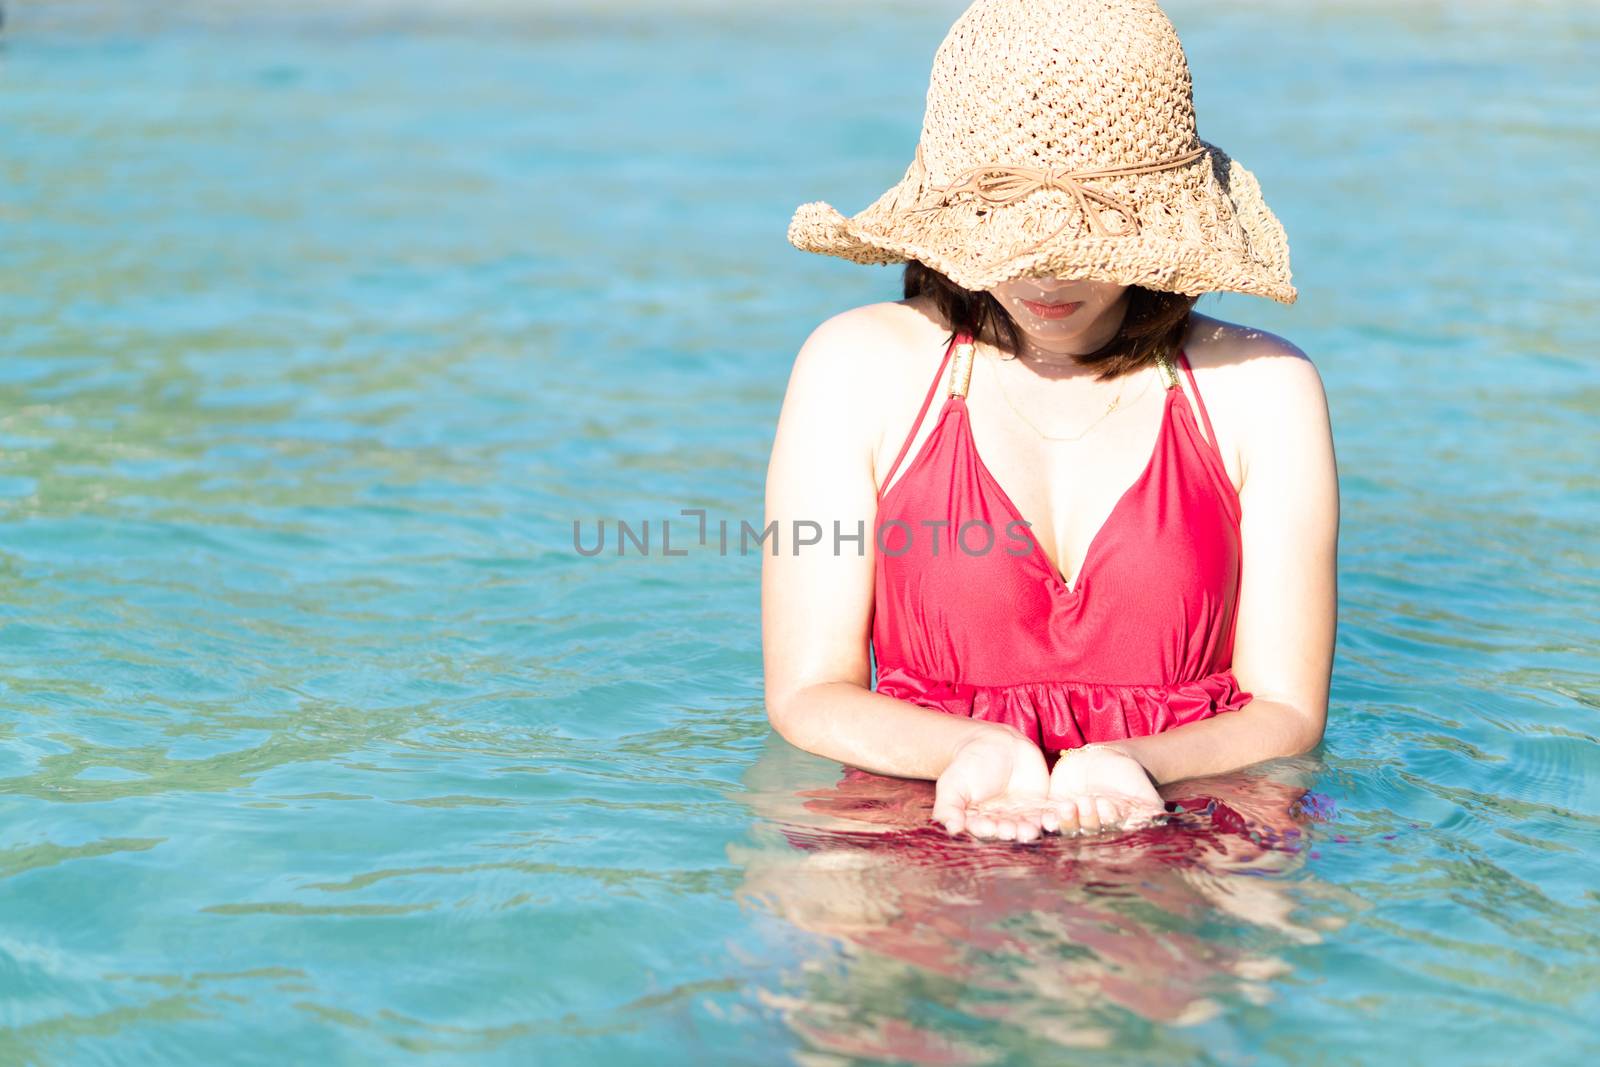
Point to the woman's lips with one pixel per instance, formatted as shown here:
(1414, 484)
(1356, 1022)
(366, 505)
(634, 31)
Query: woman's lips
(1052, 311)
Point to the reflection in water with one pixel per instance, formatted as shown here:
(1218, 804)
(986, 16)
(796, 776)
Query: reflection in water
(1068, 941)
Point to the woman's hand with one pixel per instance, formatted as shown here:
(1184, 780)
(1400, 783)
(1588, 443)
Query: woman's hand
(1101, 788)
(996, 785)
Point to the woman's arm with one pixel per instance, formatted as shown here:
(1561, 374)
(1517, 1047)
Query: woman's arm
(816, 602)
(1288, 599)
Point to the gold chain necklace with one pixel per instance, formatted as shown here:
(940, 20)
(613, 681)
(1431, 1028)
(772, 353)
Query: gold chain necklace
(1062, 437)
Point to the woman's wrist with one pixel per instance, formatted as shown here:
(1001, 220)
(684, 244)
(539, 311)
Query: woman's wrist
(987, 730)
(1096, 746)
(984, 731)
(1122, 748)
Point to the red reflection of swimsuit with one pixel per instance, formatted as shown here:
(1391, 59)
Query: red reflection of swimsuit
(1142, 641)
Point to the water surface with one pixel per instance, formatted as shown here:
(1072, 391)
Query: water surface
(321, 744)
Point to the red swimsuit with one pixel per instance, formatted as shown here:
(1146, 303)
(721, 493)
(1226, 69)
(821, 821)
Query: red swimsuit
(1140, 643)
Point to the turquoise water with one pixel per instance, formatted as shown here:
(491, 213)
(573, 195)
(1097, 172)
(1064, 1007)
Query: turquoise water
(323, 745)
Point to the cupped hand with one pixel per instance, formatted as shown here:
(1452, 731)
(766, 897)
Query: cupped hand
(996, 786)
(1102, 789)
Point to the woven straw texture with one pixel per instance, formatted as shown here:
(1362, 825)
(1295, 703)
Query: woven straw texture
(1059, 139)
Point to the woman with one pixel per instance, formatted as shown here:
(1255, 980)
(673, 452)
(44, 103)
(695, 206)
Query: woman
(1108, 560)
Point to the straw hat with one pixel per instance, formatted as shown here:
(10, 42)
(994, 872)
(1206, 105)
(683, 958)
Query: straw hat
(1059, 139)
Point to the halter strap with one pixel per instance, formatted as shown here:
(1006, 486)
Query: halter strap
(1211, 435)
(916, 423)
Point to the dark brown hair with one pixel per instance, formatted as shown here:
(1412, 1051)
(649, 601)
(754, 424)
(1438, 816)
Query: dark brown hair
(1155, 321)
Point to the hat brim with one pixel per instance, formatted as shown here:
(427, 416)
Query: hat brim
(1203, 228)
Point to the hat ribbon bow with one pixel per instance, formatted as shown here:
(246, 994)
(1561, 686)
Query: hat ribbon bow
(1000, 184)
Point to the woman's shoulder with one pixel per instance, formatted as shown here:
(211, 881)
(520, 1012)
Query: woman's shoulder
(1260, 389)
(1249, 372)
(865, 356)
(1218, 344)
(872, 341)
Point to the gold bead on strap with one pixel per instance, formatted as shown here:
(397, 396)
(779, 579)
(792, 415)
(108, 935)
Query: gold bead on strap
(961, 370)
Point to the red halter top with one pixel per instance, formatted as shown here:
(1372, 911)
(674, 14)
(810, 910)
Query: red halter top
(1142, 642)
